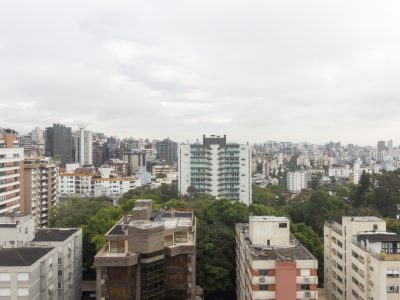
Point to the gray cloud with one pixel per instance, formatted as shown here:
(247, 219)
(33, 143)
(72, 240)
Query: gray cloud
(255, 70)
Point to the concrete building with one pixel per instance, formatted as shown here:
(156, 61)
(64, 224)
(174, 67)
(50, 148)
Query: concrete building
(83, 147)
(149, 256)
(59, 143)
(216, 167)
(40, 189)
(272, 264)
(28, 273)
(11, 173)
(361, 259)
(89, 182)
(297, 181)
(339, 172)
(42, 264)
(167, 150)
(68, 244)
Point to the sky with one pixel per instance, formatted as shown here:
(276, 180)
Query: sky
(298, 71)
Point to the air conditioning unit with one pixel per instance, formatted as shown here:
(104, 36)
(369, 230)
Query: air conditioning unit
(307, 294)
(262, 279)
(307, 279)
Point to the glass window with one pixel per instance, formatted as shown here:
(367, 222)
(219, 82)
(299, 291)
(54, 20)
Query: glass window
(5, 292)
(23, 276)
(263, 287)
(23, 292)
(263, 272)
(5, 277)
(282, 225)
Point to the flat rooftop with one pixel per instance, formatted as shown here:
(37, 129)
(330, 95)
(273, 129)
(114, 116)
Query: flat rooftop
(269, 219)
(379, 237)
(365, 219)
(53, 234)
(293, 251)
(17, 257)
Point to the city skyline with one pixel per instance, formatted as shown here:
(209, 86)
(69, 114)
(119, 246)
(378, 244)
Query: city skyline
(294, 71)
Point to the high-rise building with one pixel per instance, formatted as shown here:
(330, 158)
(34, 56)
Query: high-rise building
(390, 148)
(271, 263)
(59, 143)
(149, 256)
(40, 190)
(83, 147)
(11, 172)
(167, 150)
(216, 167)
(361, 259)
(297, 181)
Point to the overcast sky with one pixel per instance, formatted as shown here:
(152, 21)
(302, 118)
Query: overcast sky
(255, 70)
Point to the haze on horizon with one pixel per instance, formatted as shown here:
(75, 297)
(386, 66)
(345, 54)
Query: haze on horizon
(296, 71)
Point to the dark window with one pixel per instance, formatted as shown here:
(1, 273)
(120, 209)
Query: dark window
(282, 225)
(375, 227)
(263, 287)
(263, 272)
(305, 287)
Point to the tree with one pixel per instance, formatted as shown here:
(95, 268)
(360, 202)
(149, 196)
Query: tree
(362, 189)
(386, 193)
(316, 180)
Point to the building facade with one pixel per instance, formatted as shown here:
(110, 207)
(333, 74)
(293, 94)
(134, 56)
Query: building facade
(59, 144)
(84, 147)
(216, 167)
(148, 256)
(167, 150)
(297, 181)
(40, 189)
(361, 259)
(11, 173)
(272, 264)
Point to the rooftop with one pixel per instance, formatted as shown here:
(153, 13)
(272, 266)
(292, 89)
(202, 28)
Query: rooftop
(16, 257)
(293, 251)
(53, 234)
(269, 219)
(364, 219)
(379, 237)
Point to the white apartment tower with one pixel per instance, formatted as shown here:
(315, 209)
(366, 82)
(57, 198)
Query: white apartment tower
(361, 260)
(11, 172)
(83, 147)
(216, 168)
(297, 181)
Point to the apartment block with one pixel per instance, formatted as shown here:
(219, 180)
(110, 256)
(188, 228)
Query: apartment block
(216, 167)
(271, 263)
(59, 143)
(57, 275)
(89, 182)
(362, 259)
(28, 273)
(297, 181)
(40, 189)
(149, 256)
(11, 172)
(68, 243)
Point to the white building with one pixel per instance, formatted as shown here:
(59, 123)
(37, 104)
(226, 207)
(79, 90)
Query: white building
(217, 168)
(11, 173)
(339, 172)
(83, 147)
(361, 260)
(297, 181)
(42, 264)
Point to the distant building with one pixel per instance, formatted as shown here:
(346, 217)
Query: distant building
(149, 256)
(339, 172)
(40, 189)
(59, 143)
(361, 259)
(83, 147)
(216, 167)
(272, 264)
(11, 172)
(167, 150)
(297, 181)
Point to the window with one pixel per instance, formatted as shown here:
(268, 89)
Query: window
(59, 273)
(23, 276)
(23, 292)
(392, 273)
(282, 225)
(305, 287)
(263, 287)
(5, 277)
(5, 292)
(375, 227)
(263, 272)
(392, 288)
